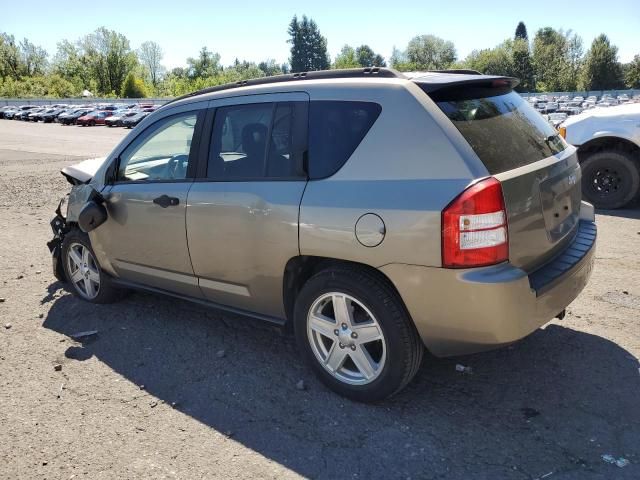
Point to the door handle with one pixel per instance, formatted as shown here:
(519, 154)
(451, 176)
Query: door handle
(165, 201)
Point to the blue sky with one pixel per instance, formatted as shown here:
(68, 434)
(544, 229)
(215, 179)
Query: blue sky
(256, 30)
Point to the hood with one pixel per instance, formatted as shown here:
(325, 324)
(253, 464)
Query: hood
(82, 172)
(627, 110)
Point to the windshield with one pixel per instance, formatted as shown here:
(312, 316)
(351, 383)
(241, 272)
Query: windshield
(503, 130)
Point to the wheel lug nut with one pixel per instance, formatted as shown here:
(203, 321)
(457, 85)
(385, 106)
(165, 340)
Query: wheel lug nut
(354, 335)
(342, 345)
(336, 332)
(344, 326)
(353, 347)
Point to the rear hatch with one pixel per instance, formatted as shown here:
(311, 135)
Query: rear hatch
(538, 170)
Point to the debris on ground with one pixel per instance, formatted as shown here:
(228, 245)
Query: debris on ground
(19, 277)
(2, 300)
(462, 369)
(7, 326)
(301, 385)
(60, 392)
(41, 315)
(618, 462)
(79, 335)
(57, 367)
(220, 354)
(153, 404)
(529, 412)
(141, 387)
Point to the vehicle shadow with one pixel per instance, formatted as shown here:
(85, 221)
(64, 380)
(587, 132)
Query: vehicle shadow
(554, 402)
(631, 211)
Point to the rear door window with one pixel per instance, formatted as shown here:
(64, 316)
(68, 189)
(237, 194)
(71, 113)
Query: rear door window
(503, 130)
(255, 142)
(336, 128)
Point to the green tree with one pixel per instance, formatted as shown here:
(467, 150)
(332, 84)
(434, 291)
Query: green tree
(492, 61)
(109, 58)
(308, 46)
(33, 58)
(397, 59)
(51, 86)
(9, 57)
(428, 52)
(363, 56)
(71, 64)
(510, 58)
(207, 64)
(368, 58)
(549, 59)
(133, 87)
(632, 73)
(574, 55)
(601, 69)
(521, 32)
(346, 58)
(270, 68)
(522, 65)
(150, 57)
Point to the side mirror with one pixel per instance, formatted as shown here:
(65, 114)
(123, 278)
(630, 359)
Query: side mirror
(92, 216)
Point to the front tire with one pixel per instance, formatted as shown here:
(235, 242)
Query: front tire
(354, 330)
(610, 179)
(85, 277)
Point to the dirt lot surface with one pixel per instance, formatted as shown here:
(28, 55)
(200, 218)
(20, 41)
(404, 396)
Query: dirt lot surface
(167, 389)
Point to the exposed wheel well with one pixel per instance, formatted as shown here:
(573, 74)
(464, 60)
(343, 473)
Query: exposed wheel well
(301, 268)
(609, 143)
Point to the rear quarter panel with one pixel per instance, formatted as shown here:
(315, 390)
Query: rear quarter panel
(405, 170)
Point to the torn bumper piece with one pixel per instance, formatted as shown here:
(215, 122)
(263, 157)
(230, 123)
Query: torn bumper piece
(59, 227)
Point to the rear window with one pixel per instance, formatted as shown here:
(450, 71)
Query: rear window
(336, 128)
(503, 130)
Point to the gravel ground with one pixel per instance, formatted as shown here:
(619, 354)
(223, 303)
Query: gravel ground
(167, 389)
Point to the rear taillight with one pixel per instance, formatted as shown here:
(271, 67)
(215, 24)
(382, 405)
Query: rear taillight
(474, 227)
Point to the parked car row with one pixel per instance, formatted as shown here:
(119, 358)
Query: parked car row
(548, 104)
(112, 115)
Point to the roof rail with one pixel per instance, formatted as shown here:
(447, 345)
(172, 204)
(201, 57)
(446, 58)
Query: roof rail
(368, 72)
(463, 71)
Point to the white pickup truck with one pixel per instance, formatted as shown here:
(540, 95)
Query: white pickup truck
(608, 141)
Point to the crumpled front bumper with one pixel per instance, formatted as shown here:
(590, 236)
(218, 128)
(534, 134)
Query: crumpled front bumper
(59, 227)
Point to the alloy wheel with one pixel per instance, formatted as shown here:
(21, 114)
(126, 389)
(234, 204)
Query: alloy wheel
(83, 271)
(346, 338)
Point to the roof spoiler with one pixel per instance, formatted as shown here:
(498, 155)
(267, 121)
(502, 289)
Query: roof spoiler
(458, 71)
(438, 81)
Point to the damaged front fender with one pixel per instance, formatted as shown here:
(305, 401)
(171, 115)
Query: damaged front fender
(82, 193)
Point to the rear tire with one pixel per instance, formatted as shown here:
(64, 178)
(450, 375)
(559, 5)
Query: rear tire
(393, 356)
(610, 179)
(87, 281)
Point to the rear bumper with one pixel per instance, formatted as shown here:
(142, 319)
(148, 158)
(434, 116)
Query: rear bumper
(458, 312)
